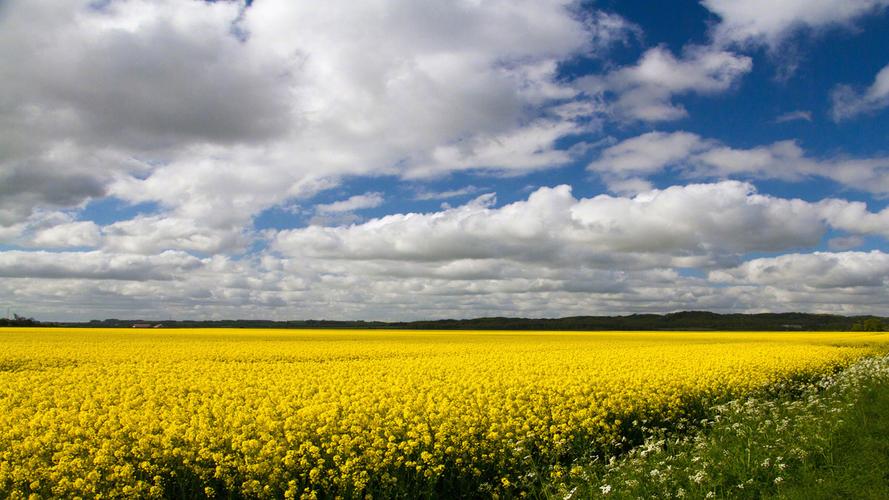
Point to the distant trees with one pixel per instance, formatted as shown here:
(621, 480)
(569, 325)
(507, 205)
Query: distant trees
(17, 320)
(869, 325)
(686, 320)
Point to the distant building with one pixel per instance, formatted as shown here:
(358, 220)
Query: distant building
(143, 325)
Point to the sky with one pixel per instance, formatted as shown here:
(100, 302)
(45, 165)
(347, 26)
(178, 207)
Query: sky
(418, 159)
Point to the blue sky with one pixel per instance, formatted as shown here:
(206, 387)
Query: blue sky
(413, 159)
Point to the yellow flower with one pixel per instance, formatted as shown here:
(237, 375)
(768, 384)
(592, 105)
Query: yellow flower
(308, 413)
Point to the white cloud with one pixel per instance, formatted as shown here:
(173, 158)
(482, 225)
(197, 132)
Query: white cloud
(217, 111)
(95, 265)
(814, 270)
(644, 92)
(550, 255)
(424, 195)
(643, 155)
(696, 157)
(151, 234)
(71, 234)
(770, 23)
(848, 102)
(845, 243)
(854, 217)
(684, 226)
(792, 116)
(52, 229)
(517, 151)
(779, 160)
(357, 202)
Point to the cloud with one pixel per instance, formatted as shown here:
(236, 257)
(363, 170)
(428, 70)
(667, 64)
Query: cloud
(644, 155)
(848, 102)
(550, 255)
(95, 265)
(771, 23)
(71, 234)
(780, 160)
(357, 202)
(52, 229)
(62, 176)
(845, 243)
(854, 217)
(644, 91)
(217, 111)
(151, 234)
(98, 92)
(684, 226)
(820, 270)
(695, 157)
(424, 195)
(792, 116)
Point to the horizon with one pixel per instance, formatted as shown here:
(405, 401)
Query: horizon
(467, 320)
(399, 161)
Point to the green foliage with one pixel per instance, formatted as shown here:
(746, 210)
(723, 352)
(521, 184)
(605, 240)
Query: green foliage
(869, 325)
(17, 320)
(827, 439)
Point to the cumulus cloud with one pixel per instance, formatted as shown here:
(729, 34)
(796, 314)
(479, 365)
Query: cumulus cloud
(52, 229)
(682, 226)
(770, 23)
(645, 91)
(813, 270)
(622, 164)
(94, 92)
(695, 157)
(854, 217)
(150, 234)
(71, 234)
(550, 255)
(217, 110)
(849, 102)
(95, 265)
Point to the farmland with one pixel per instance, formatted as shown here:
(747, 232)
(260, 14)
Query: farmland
(312, 413)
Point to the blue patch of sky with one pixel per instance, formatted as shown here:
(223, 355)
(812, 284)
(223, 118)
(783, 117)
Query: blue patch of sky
(673, 24)
(745, 117)
(691, 272)
(403, 196)
(872, 243)
(813, 190)
(104, 211)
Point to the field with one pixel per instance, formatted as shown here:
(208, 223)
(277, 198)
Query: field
(312, 413)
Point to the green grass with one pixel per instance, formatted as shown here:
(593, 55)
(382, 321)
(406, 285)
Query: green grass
(822, 439)
(857, 465)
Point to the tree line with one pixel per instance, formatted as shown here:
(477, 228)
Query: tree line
(686, 320)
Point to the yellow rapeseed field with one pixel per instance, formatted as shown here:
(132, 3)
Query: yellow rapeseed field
(306, 413)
